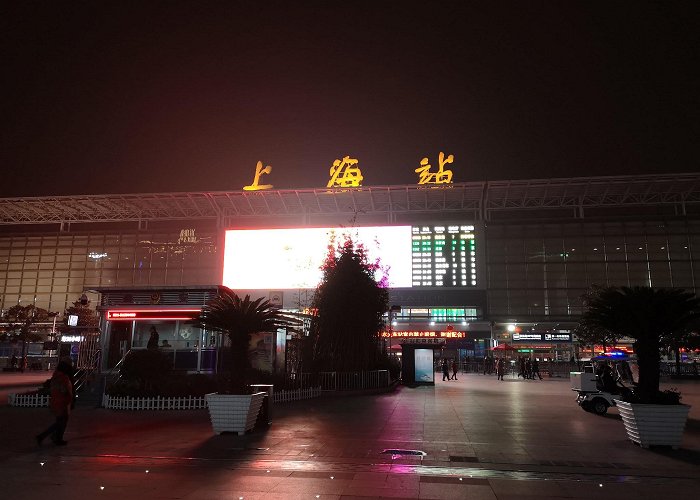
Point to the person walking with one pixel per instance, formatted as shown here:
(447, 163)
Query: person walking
(536, 369)
(500, 368)
(521, 366)
(445, 370)
(455, 367)
(60, 404)
(528, 368)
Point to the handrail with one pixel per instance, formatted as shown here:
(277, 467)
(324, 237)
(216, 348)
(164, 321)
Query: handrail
(114, 370)
(82, 375)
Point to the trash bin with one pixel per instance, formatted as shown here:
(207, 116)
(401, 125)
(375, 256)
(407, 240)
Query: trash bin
(266, 410)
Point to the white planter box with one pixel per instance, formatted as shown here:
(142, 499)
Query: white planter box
(234, 413)
(649, 425)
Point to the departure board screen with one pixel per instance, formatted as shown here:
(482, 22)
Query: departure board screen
(443, 256)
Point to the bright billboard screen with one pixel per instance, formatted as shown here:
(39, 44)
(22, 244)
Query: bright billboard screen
(414, 256)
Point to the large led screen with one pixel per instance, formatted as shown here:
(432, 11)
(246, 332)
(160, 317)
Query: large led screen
(292, 258)
(413, 256)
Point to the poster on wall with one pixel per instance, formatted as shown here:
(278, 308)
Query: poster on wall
(424, 365)
(260, 351)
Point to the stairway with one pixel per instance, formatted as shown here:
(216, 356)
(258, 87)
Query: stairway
(90, 394)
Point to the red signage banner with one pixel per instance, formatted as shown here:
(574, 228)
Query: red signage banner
(425, 334)
(160, 314)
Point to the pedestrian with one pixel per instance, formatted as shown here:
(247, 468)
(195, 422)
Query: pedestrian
(521, 366)
(454, 369)
(65, 365)
(528, 368)
(536, 369)
(153, 340)
(500, 368)
(60, 404)
(445, 370)
(13, 362)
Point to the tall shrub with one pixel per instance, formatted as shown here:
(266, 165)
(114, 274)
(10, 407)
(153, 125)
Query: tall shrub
(349, 304)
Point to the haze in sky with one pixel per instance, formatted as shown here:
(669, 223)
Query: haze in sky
(117, 97)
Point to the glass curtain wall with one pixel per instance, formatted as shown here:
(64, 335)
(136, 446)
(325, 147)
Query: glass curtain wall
(52, 271)
(541, 270)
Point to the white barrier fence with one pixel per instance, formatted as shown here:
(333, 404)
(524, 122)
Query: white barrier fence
(28, 400)
(325, 381)
(354, 381)
(156, 403)
(343, 381)
(297, 395)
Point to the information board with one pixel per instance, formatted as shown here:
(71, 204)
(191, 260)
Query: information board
(443, 256)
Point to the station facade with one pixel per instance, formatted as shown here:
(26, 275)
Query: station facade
(487, 261)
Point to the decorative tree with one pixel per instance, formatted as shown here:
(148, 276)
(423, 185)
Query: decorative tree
(654, 317)
(239, 319)
(87, 318)
(21, 324)
(590, 333)
(349, 304)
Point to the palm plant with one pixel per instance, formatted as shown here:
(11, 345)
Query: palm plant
(654, 317)
(238, 319)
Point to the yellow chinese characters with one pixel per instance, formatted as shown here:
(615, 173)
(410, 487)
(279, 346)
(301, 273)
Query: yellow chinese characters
(441, 176)
(259, 170)
(345, 173)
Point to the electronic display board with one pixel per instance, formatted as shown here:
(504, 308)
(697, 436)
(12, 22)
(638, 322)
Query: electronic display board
(412, 256)
(443, 256)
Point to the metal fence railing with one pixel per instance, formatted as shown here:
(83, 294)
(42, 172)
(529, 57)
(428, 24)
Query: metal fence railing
(341, 381)
(28, 400)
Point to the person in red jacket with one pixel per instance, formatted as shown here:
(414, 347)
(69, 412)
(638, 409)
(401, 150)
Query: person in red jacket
(61, 400)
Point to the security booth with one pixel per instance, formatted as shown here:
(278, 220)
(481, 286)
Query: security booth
(128, 316)
(417, 366)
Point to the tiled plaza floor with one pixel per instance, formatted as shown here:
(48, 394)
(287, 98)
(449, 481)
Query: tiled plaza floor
(482, 439)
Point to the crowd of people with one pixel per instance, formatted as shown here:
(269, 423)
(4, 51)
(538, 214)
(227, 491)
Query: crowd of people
(528, 368)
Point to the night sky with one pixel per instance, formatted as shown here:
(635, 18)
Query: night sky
(126, 97)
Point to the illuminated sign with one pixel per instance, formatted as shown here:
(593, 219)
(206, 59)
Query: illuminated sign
(72, 338)
(187, 236)
(609, 349)
(259, 170)
(160, 314)
(411, 256)
(542, 337)
(424, 334)
(443, 256)
(423, 365)
(345, 173)
(565, 337)
(441, 176)
(277, 259)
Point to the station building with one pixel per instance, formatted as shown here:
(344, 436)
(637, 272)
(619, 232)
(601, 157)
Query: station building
(469, 264)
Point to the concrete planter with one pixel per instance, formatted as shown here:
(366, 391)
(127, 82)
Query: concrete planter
(649, 425)
(233, 412)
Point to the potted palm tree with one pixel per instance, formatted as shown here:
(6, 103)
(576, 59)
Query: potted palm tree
(236, 409)
(654, 318)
